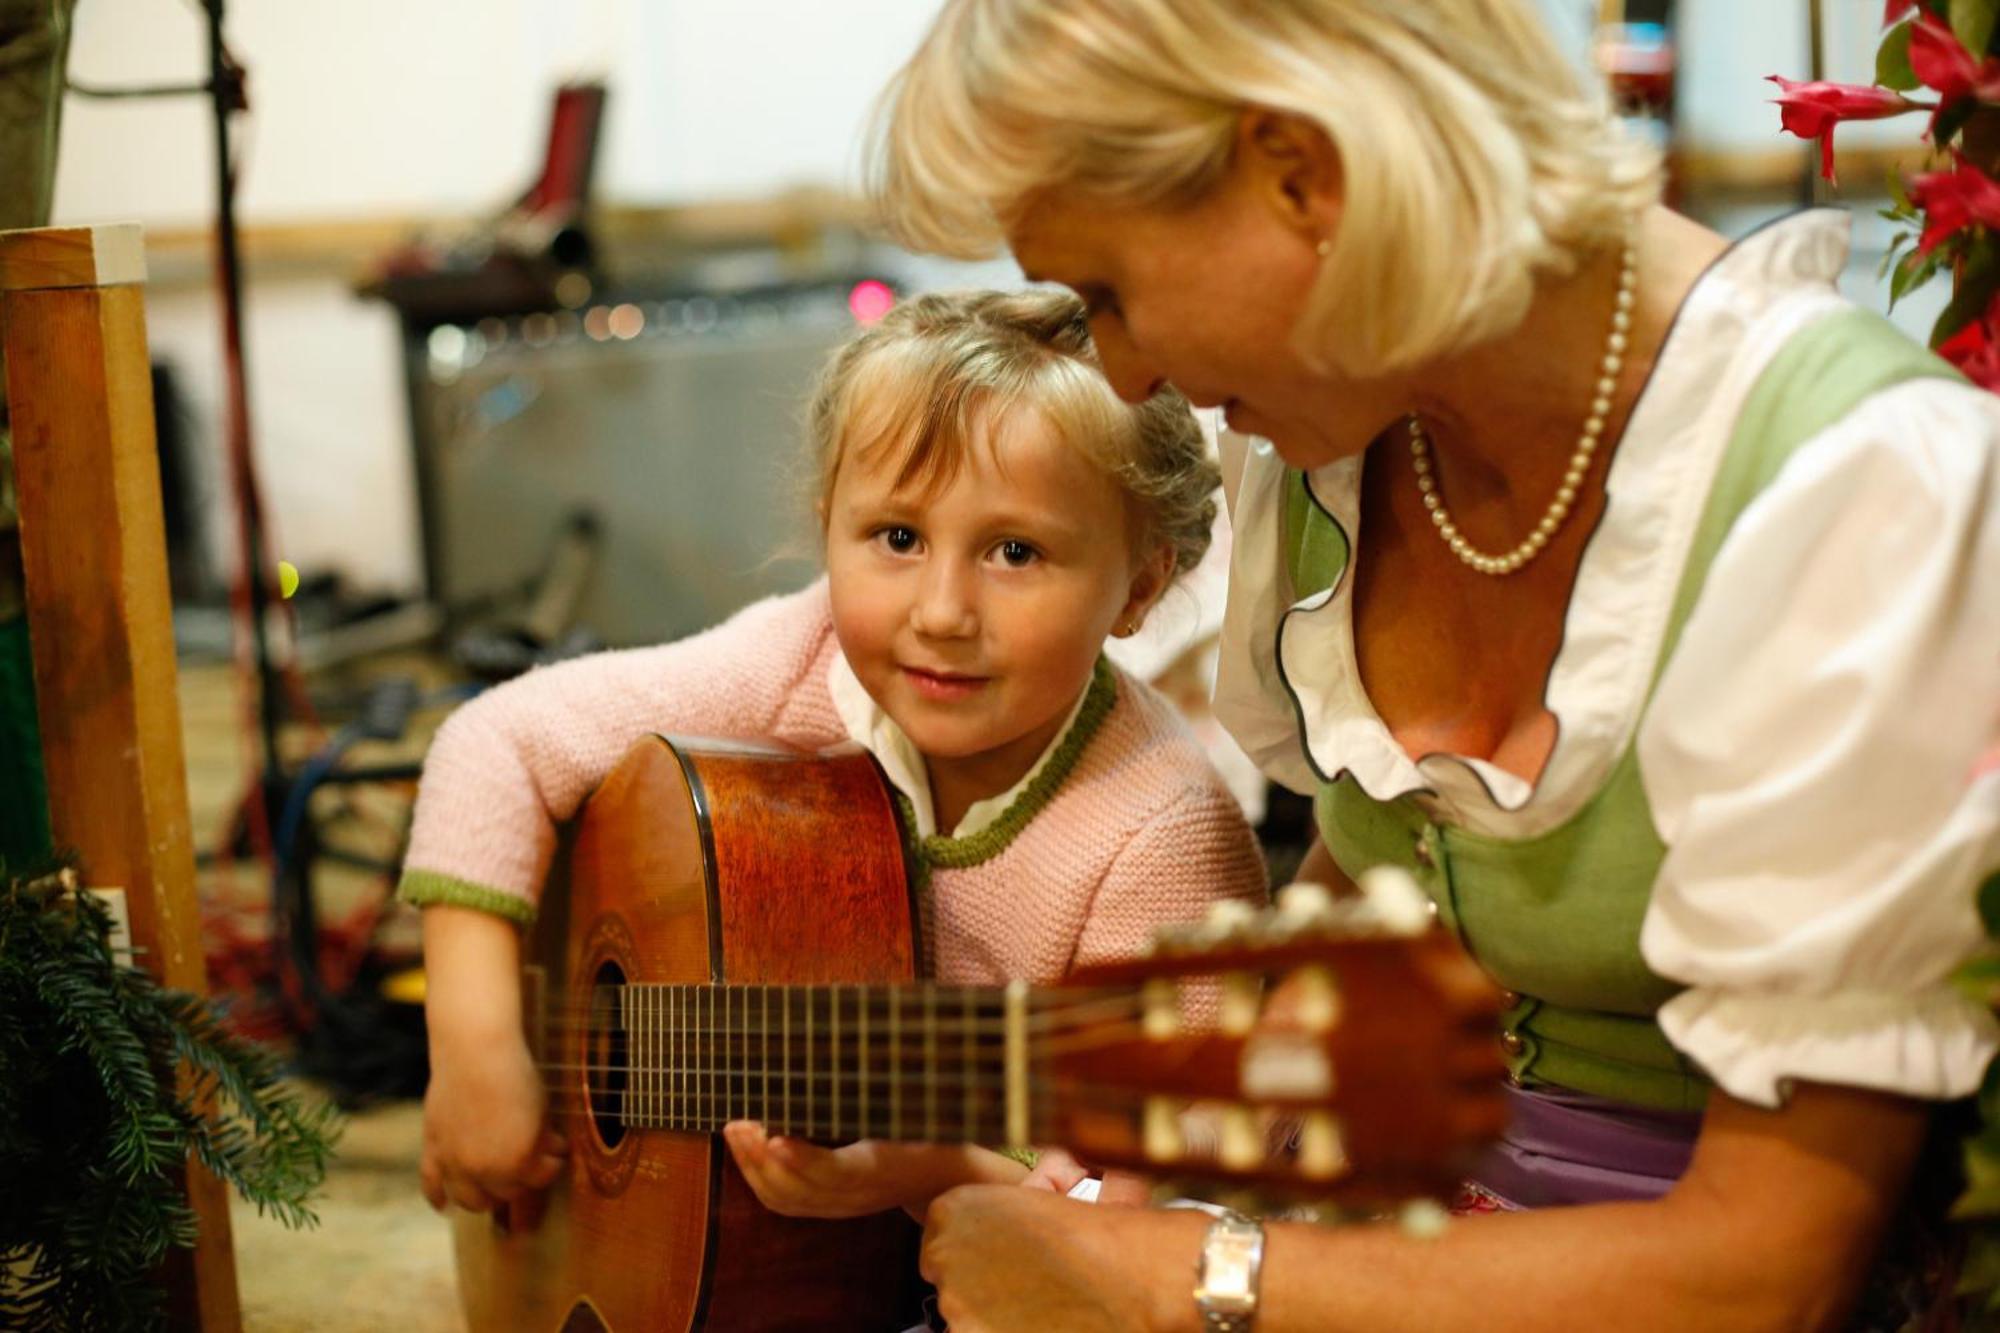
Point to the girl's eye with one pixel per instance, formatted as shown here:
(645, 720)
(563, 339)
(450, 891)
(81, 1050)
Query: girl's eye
(1018, 554)
(900, 540)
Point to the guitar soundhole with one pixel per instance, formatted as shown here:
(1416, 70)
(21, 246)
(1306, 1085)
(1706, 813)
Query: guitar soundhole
(605, 1054)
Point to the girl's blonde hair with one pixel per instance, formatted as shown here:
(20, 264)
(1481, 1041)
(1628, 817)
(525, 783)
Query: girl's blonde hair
(1473, 161)
(933, 378)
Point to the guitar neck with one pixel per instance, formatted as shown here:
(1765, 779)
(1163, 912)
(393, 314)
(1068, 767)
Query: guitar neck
(836, 1063)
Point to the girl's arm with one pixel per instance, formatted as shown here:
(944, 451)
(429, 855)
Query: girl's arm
(1773, 1226)
(484, 1140)
(501, 774)
(508, 767)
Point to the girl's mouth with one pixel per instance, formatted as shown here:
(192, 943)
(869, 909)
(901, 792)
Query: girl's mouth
(943, 686)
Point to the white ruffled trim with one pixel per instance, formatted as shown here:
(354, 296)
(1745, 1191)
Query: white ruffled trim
(1289, 687)
(1934, 1045)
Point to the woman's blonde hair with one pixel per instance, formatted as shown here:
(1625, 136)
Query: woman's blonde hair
(939, 372)
(1473, 160)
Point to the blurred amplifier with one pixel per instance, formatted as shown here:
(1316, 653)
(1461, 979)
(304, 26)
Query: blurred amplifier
(676, 424)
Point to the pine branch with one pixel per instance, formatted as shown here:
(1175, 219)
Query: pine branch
(109, 1084)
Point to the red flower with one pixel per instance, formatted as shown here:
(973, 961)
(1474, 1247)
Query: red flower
(1811, 110)
(1953, 200)
(1974, 352)
(1941, 61)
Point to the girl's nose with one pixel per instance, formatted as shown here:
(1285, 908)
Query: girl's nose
(946, 606)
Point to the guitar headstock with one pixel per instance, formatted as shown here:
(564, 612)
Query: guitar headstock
(1345, 1048)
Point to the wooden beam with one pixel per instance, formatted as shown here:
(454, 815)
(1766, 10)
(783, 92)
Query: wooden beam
(93, 550)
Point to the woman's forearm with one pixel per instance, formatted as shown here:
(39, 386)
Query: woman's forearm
(1773, 1227)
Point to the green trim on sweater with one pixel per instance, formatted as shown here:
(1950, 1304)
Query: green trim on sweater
(937, 852)
(427, 888)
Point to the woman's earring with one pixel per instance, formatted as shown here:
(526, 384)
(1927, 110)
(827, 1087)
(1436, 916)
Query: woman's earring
(1324, 248)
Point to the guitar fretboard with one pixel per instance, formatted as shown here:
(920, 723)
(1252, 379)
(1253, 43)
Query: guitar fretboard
(831, 1063)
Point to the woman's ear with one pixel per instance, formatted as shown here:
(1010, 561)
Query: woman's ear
(1150, 581)
(1294, 168)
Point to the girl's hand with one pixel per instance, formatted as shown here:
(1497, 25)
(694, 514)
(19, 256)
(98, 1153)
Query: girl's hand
(801, 1179)
(485, 1140)
(1055, 1170)
(1058, 1172)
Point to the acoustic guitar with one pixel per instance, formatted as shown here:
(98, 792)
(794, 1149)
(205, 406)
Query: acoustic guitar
(733, 933)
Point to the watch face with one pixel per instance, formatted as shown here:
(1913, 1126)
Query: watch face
(1228, 1269)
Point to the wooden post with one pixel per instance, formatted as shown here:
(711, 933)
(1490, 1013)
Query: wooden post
(93, 550)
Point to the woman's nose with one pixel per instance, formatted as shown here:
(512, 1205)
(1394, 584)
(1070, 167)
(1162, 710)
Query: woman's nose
(946, 606)
(1134, 377)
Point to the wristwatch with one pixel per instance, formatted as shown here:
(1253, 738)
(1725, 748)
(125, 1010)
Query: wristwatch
(1225, 1289)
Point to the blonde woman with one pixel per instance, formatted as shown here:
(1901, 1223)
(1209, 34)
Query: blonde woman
(1633, 590)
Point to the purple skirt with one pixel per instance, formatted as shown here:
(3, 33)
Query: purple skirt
(1568, 1147)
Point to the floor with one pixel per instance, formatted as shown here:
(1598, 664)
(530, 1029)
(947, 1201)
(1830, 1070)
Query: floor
(379, 1258)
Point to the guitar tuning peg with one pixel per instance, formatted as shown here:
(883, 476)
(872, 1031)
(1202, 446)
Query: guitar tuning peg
(1160, 1130)
(1228, 918)
(1396, 900)
(1160, 1008)
(1322, 1151)
(1305, 903)
(1242, 999)
(1423, 1219)
(1316, 997)
(1242, 1147)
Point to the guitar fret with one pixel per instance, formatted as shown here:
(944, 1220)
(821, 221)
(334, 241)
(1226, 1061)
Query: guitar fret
(969, 1052)
(895, 1066)
(861, 1062)
(930, 1064)
(811, 1118)
(833, 1060)
(785, 1021)
(764, 1046)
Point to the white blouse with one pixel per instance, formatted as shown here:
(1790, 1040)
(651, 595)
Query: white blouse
(1822, 756)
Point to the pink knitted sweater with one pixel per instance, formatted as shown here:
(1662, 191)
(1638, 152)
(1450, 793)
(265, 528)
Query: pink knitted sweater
(1140, 831)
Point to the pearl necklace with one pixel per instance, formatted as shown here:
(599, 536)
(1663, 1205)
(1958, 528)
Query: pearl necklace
(1579, 462)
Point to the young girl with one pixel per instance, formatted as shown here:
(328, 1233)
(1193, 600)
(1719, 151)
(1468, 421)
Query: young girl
(991, 512)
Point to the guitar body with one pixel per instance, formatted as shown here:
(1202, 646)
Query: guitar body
(697, 863)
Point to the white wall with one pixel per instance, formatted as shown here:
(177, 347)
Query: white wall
(390, 107)
(393, 108)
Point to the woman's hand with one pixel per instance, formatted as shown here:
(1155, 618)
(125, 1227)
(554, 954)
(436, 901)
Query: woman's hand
(485, 1141)
(1008, 1259)
(801, 1179)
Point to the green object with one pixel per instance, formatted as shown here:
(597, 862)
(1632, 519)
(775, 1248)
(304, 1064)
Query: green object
(425, 888)
(1555, 918)
(34, 49)
(96, 1128)
(943, 853)
(24, 795)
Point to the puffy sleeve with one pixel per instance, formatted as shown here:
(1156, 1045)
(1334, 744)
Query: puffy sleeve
(512, 764)
(1822, 758)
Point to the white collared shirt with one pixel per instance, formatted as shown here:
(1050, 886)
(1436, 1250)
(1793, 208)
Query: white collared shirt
(876, 732)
